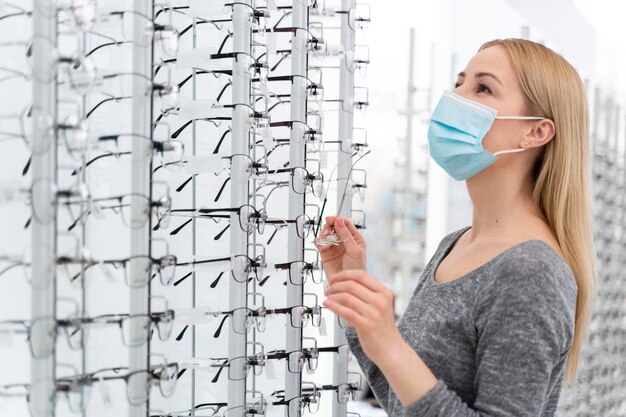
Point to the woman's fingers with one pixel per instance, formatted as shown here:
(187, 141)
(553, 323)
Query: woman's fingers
(360, 277)
(330, 220)
(352, 248)
(356, 235)
(362, 292)
(322, 248)
(326, 229)
(353, 230)
(350, 308)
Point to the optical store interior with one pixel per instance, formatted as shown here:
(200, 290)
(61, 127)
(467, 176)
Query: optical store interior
(242, 208)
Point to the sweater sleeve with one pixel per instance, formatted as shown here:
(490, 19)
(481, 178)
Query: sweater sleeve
(375, 378)
(524, 321)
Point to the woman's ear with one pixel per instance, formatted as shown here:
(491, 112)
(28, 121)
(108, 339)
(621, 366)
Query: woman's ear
(541, 133)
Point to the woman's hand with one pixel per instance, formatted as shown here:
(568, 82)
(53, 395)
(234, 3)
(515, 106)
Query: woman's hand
(349, 254)
(367, 306)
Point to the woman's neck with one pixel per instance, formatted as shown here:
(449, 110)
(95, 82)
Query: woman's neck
(501, 208)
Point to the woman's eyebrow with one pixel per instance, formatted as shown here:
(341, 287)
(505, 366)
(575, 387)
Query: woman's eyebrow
(482, 74)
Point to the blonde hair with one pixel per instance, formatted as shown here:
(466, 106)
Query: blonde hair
(563, 187)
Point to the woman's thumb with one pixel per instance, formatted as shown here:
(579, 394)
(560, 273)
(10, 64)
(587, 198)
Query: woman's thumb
(350, 245)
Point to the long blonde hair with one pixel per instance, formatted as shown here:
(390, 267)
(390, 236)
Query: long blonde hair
(563, 186)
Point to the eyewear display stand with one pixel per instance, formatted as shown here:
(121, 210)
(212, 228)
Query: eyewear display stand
(239, 196)
(141, 170)
(44, 233)
(181, 151)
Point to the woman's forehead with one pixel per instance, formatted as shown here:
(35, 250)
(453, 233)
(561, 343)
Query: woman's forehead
(494, 60)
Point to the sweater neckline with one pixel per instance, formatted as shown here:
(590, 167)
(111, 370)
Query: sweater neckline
(475, 271)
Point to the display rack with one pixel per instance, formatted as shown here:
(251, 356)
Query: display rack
(182, 161)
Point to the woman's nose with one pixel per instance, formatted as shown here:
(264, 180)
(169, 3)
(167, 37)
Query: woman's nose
(463, 91)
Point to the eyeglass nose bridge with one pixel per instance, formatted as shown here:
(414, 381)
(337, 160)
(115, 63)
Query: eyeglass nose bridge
(165, 200)
(316, 209)
(315, 312)
(359, 380)
(76, 109)
(317, 44)
(259, 356)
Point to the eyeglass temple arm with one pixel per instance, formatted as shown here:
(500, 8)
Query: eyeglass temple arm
(219, 328)
(221, 190)
(348, 177)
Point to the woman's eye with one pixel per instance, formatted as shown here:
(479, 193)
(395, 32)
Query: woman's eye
(482, 87)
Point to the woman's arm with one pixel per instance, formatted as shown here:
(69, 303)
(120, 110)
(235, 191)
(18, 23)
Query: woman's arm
(524, 323)
(375, 378)
(386, 359)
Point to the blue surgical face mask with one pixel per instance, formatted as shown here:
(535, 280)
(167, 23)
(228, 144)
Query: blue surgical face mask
(457, 128)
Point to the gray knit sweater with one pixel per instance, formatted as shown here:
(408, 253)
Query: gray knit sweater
(496, 338)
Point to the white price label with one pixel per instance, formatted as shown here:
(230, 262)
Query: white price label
(107, 272)
(269, 369)
(323, 328)
(105, 394)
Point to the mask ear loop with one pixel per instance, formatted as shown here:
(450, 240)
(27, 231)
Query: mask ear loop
(516, 118)
(510, 151)
(520, 117)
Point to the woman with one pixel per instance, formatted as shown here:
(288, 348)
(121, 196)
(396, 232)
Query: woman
(501, 310)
